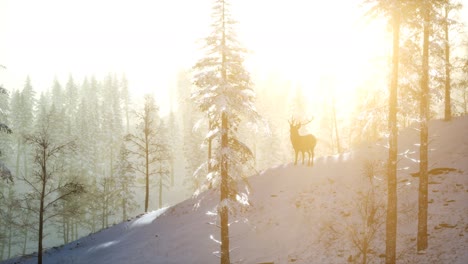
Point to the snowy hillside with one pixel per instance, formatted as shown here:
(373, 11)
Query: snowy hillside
(305, 215)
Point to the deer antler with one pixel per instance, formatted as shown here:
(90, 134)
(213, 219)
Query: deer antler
(310, 120)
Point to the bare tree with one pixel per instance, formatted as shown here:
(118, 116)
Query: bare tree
(46, 190)
(146, 143)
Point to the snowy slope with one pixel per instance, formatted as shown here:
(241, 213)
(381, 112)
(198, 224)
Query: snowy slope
(303, 215)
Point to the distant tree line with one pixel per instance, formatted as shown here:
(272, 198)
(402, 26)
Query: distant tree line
(94, 119)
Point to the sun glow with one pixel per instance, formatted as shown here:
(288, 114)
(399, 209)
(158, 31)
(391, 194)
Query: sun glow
(320, 47)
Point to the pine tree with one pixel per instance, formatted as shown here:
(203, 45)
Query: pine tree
(125, 182)
(447, 23)
(4, 128)
(163, 157)
(126, 102)
(192, 136)
(225, 95)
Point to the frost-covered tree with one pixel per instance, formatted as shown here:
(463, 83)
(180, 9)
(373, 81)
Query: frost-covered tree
(4, 128)
(163, 158)
(3, 93)
(226, 96)
(193, 154)
(125, 178)
(126, 100)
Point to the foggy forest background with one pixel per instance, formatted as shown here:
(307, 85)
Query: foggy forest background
(100, 125)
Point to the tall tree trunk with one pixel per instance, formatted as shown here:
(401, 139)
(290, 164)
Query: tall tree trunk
(26, 231)
(335, 124)
(424, 112)
(448, 104)
(41, 207)
(391, 224)
(64, 229)
(124, 209)
(146, 171)
(210, 142)
(71, 228)
(224, 214)
(160, 186)
(172, 171)
(10, 233)
(2, 243)
(18, 158)
(75, 224)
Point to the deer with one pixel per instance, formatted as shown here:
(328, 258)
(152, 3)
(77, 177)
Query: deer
(305, 143)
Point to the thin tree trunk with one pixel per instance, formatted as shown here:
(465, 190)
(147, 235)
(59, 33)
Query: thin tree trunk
(146, 172)
(424, 111)
(210, 140)
(160, 185)
(224, 214)
(448, 104)
(391, 223)
(64, 230)
(75, 225)
(172, 172)
(124, 210)
(41, 208)
(10, 234)
(25, 240)
(18, 158)
(335, 123)
(71, 228)
(2, 244)
(364, 253)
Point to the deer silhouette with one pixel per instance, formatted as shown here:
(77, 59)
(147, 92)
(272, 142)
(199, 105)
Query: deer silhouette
(302, 144)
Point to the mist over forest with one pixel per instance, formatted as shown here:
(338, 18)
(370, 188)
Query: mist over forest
(95, 133)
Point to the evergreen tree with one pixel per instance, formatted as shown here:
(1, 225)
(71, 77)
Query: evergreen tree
(125, 182)
(4, 128)
(192, 136)
(163, 159)
(445, 24)
(23, 104)
(126, 102)
(225, 95)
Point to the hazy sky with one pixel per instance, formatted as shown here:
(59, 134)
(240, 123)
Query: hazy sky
(150, 40)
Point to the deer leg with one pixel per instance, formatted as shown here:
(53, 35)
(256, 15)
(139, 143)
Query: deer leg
(302, 157)
(295, 161)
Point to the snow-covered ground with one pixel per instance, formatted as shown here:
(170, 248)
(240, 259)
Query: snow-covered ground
(300, 214)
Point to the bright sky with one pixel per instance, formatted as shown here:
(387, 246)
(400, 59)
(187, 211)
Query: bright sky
(150, 40)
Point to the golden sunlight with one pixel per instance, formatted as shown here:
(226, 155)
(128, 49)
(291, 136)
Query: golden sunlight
(317, 47)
